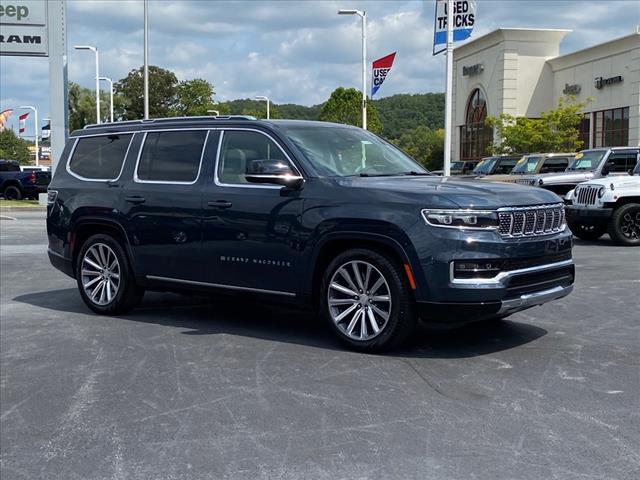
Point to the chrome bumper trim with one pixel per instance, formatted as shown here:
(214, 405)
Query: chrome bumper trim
(533, 299)
(499, 278)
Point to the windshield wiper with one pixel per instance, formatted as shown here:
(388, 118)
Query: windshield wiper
(415, 174)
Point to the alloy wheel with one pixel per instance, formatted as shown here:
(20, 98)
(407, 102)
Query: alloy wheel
(630, 224)
(100, 274)
(359, 300)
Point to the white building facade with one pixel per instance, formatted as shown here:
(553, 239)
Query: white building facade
(520, 72)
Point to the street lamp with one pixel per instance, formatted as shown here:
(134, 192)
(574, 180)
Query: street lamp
(215, 112)
(363, 15)
(35, 118)
(94, 50)
(266, 99)
(146, 60)
(107, 79)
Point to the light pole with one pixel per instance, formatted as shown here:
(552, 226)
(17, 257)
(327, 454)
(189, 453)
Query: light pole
(107, 79)
(35, 118)
(94, 50)
(266, 99)
(146, 59)
(215, 112)
(363, 15)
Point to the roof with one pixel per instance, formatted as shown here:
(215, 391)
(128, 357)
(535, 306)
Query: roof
(544, 35)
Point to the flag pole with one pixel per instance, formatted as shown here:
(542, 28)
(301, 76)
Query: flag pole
(448, 93)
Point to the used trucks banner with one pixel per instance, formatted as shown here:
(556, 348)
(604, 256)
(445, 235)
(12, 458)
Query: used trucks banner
(464, 18)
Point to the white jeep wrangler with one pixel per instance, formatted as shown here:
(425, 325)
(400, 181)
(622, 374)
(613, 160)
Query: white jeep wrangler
(607, 204)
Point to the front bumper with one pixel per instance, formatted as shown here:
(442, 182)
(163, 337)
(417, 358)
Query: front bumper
(579, 213)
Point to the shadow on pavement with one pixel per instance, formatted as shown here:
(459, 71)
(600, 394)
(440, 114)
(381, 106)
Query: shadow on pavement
(242, 315)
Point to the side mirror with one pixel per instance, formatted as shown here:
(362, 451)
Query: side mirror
(606, 168)
(274, 172)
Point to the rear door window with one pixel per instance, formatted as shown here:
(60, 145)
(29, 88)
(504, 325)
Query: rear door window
(506, 165)
(99, 158)
(171, 157)
(555, 164)
(623, 161)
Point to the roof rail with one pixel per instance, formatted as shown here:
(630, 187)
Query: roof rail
(202, 118)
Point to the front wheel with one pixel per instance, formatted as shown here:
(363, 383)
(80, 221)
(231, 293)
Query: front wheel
(367, 301)
(624, 227)
(586, 231)
(12, 193)
(104, 277)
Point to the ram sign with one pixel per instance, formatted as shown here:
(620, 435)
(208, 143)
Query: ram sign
(23, 28)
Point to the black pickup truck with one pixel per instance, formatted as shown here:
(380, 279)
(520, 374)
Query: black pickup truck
(16, 184)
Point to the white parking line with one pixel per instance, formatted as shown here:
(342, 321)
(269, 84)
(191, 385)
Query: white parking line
(7, 217)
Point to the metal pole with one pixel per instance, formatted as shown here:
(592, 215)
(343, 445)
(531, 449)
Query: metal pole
(448, 97)
(107, 79)
(267, 108)
(97, 85)
(35, 114)
(58, 92)
(146, 59)
(364, 70)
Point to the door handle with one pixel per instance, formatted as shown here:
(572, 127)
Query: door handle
(219, 204)
(135, 199)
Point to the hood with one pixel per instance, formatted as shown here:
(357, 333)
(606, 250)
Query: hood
(559, 178)
(449, 192)
(502, 178)
(626, 181)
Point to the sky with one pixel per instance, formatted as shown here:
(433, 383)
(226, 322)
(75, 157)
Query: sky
(290, 51)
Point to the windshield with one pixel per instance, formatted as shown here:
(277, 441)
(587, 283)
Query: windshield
(587, 160)
(485, 166)
(344, 152)
(457, 166)
(526, 165)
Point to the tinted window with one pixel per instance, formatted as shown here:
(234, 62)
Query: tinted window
(171, 156)
(9, 167)
(557, 164)
(623, 162)
(100, 158)
(506, 165)
(239, 149)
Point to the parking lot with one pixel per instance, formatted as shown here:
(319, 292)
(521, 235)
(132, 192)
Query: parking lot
(191, 388)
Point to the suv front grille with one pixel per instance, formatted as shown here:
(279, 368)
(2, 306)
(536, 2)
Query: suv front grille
(586, 194)
(540, 281)
(531, 221)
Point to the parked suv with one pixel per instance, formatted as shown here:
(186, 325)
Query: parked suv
(462, 167)
(534, 164)
(316, 213)
(492, 166)
(16, 184)
(587, 164)
(607, 204)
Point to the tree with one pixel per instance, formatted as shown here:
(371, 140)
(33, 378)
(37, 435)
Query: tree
(14, 148)
(194, 97)
(555, 130)
(404, 112)
(424, 145)
(345, 106)
(163, 86)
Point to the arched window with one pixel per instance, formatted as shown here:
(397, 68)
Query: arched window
(475, 135)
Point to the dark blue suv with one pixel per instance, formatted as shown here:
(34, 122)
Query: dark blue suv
(322, 214)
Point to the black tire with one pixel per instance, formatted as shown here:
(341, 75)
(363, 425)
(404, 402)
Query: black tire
(401, 318)
(128, 293)
(12, 192)
(585, 231)
(624, 227)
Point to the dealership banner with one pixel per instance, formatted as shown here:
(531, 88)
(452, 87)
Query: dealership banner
(380, 70)
(22, 119)
(464, 18)
(46, 130)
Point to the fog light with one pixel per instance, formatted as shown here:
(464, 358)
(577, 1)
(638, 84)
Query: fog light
(476, 268)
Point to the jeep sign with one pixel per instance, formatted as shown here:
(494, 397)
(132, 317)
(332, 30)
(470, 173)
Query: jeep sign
(23, 28)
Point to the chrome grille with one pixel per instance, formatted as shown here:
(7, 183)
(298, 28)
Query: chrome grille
(531, 221)
(525, 181)
(586, 194)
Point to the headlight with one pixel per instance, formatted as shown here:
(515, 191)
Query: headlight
(601, 192)
(540, 182)
(462, 219)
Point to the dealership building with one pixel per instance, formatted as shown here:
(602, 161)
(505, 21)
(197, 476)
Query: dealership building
(520, 71)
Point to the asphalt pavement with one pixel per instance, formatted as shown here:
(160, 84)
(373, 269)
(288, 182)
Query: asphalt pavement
(207, 388)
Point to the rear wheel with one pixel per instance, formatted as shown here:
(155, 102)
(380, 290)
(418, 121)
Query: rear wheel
(366, 301)
(624, 227)
(585, 231)
(12, 192)
(104, 277)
